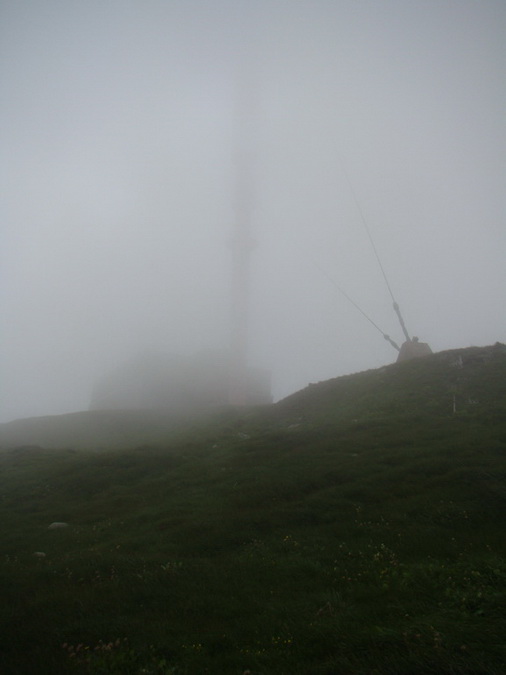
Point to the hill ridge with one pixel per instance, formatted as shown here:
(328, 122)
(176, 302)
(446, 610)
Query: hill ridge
(447, 381)
(347, 530)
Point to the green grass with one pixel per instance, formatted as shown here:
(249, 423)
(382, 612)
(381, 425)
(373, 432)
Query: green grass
(354, 528)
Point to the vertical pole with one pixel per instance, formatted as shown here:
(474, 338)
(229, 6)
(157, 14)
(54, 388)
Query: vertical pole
(242, 246)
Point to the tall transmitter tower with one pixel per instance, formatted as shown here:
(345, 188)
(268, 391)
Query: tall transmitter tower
(242, 246)
(246, 385)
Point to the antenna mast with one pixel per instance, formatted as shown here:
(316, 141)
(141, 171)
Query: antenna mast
(242, 244)
(371, 240)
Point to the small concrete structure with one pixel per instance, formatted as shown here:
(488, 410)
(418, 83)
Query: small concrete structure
(413, 349)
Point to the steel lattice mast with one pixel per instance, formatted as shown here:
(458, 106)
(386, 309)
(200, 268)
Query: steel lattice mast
(242, 243)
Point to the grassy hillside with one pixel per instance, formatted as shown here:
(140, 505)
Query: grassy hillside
(95, 429)
(354, 528)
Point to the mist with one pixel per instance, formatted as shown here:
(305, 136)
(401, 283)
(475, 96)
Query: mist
(120, 131)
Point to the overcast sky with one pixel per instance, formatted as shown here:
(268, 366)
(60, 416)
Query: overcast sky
(119, 126)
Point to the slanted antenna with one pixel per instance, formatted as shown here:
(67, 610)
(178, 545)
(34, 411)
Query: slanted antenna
(364, 222)
(387, 337)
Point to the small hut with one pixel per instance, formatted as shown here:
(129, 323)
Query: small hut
(413, 349)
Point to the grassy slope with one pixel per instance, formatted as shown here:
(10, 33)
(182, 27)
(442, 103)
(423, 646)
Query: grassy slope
(355, 527)
(93, 429)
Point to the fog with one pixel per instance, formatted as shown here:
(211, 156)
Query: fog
(120, 125)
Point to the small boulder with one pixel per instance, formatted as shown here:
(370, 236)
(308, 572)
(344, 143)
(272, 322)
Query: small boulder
(57, 526)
